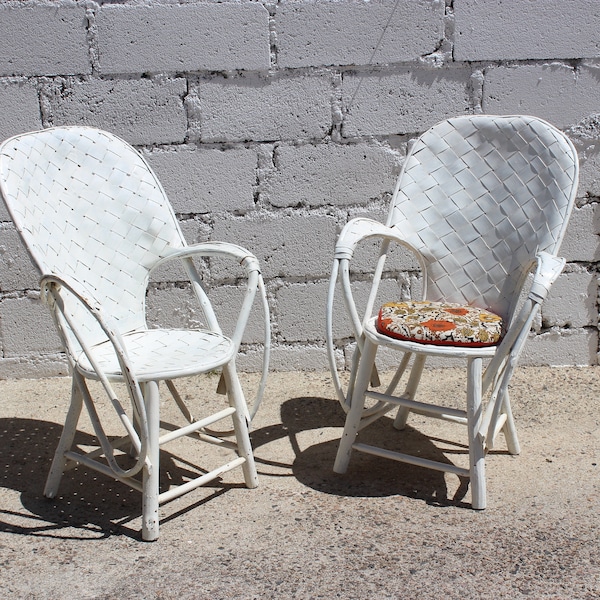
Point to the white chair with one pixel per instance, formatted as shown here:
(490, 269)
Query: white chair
(482, 201)
(96, 222)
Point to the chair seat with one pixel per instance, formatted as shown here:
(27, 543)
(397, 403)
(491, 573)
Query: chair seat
(439, 323)
(157, 354)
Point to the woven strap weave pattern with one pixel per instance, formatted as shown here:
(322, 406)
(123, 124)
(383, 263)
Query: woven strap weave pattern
(89, 208)
(478, 198)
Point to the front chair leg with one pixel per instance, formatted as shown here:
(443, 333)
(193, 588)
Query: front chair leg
(476, 440)
(151, 472)
(65, 443)
(351, 426)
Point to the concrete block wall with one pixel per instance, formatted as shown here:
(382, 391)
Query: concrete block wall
(271, 123)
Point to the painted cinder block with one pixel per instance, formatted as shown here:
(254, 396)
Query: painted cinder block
(329, 175)
(407, 100)
(572, 301)
(200, 181)
(257, 108)
(541, 91)
(561, 348)
(19, 108)
(580, 243)
(297, 245)
(43, 40)
(301, 309)
(172, 306)
(26, 327)
(16, 270)
(141, 111)
(183, 38)
(525, 29)
(313, 34)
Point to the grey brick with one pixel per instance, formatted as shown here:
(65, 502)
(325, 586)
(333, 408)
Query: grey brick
(554, 92)
(296, 246)
(580, 243)
(500, 30)
(26, 327)
(203, 181)
(562, 347)
(328, 174)
(351, 33)
(264, 109)
(405, 101)
(43, 40)
(145, 111)
(19, 108)
(16, 270)
(301, 309)
(572, 301)
(156, 39)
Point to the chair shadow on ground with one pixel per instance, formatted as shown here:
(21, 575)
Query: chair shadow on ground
(367, 476)
(89, 505)
(93, 506)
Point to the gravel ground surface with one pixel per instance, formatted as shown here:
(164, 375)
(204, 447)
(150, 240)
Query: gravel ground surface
(383, 530)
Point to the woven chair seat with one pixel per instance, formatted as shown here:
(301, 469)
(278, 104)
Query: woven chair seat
(444, 324)
(178, 352)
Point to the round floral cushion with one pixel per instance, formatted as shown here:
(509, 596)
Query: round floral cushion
(439, 323)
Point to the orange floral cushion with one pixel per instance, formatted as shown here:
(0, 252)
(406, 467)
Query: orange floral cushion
(439, 323)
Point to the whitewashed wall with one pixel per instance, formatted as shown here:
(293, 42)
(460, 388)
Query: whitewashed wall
(272, 123)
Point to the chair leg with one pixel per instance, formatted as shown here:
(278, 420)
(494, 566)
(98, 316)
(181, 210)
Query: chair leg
(411, 390)
(241, 420)
(510, 429)
(476, 440)
(363, 375)
(151, 472)
(59, 461)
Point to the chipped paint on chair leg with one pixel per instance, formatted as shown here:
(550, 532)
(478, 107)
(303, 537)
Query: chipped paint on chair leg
(151, 472)
(476, 440)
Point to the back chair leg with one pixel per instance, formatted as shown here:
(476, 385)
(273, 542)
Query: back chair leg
(65, 443)
(411, 390)
(151, 471)
(476, 440)
(241, 420)
(510, 429)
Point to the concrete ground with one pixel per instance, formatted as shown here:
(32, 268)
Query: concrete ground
(383, 530)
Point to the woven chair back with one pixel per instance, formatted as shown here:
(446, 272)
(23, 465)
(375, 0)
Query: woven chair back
(478, 197)
(90, 209)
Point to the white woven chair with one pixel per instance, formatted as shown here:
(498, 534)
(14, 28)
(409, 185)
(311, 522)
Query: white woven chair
(482, 201)
(96, 222)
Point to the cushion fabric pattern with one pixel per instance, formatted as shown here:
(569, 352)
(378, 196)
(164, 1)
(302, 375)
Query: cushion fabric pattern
(439, 323)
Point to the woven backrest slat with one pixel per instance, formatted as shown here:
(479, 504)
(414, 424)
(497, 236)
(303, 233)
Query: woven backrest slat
(89, 207)
(478, 197)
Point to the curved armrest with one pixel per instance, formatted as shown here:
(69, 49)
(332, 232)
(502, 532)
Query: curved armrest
(255, 284)
(363, 228)
(51, 286)
(549, 267)
(214, 249)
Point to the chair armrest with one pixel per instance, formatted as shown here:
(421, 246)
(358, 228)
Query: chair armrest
(214, 249)
(549, 267)
(361, 228)
(255, 284)
(51, 286)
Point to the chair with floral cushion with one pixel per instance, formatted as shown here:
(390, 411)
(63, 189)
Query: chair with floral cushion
(483, 203)
(96, 223)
